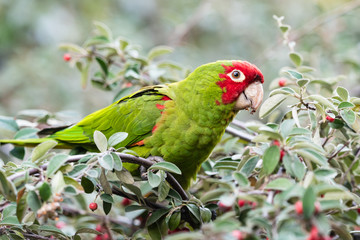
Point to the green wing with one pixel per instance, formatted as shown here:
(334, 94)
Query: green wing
(135, 114)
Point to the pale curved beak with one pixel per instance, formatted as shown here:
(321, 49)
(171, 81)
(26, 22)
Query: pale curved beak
(251, 97)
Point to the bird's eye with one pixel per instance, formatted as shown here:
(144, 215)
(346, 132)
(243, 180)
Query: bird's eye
(237, 76)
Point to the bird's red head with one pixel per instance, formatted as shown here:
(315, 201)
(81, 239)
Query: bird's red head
(241, 78)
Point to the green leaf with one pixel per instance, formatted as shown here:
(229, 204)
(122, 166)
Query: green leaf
(33, 201)
(343, 93)
(7, 188)
(294, 74)
(26, 133)
(154, 180)
(117, 138)
(337, 124)
(103, 30)
(281, 184)
(346, 105)
(296, 58)
(156, 215)
(87, 184)
(241, 179)
(271, 104)
(107, 198)
(104, 182)
(205, 214)
(57, 182)
(195, 211)
(55, 163)
(271, 159)
(41, 149)
(300, 131)
(302, 82)
(103, 65)
(283, 90)
(323, 101)
(284, 28)
(325, 174)
(174, 220)
(21, 206)
(106, 161)
(163, 190)
(9, 221)
(73, 48)
(100, 141)
(86, 230)
(45, 191)
(85, 74)
(107, 207)
(117, 162)
(9, 124)
(158, 51)
(312, 156)
(73, 184)
(348, 116)
(308, 200)
(125, 176)
(166, 166)
(249, 166)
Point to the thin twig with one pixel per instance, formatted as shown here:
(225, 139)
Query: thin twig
(120, 220)
(337, 152)
(125, 158)
(351, 166)
(237, 133)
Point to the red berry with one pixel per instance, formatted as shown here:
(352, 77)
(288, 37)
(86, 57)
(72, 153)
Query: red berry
(299, 207)
(93, 206)
(322, 195)
(237, 234)
(330, 119)
(60, 224)
(126, 202)
(282, 154)
(67, 57)
(223, 207)
(358, 210)
(253, 205)
(276, 143)
(314, 233)
(282, 82)
(106, 236)
(241, 202)
(99, 228)
(98, 237)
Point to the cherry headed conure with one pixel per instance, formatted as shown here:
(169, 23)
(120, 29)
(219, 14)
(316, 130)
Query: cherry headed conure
(181, 122)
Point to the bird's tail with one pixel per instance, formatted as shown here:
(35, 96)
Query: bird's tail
(31, 142)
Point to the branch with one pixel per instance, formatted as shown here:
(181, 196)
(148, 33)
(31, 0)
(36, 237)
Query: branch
(245, 136)
(125, 158)
(120, 220)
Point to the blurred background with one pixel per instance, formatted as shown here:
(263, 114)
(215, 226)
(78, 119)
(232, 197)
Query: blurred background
(33, 74)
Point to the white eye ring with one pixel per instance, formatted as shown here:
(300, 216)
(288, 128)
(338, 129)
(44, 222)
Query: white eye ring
(237, 76)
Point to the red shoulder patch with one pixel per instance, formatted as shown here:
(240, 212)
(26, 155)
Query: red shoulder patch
(165, 98)
(159, 106)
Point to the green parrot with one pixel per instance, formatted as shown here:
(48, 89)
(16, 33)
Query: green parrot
(180, 122)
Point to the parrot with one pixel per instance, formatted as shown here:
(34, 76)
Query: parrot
(181, 122)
